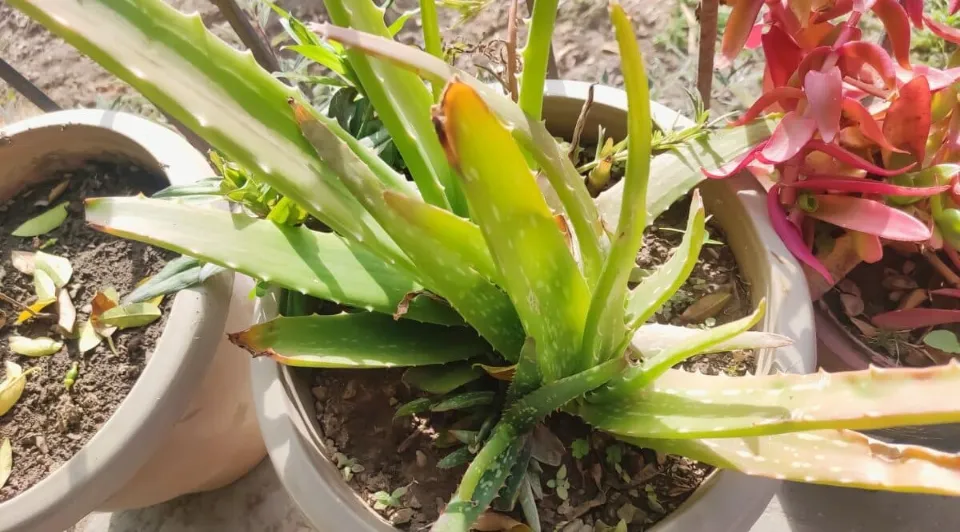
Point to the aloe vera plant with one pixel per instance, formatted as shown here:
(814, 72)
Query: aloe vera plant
(472, 264)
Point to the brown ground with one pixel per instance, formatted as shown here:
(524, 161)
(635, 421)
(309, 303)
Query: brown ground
(49, 424)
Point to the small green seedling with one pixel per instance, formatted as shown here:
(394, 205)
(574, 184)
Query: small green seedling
(614, 457)
(348, 466)
(580, 448)
(652, 499)
(71, 376)
(384, 500)
(561, 484)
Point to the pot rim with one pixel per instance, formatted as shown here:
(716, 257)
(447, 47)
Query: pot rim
(727, 501)
(186, 346)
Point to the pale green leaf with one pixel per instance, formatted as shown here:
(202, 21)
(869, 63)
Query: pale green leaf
(43, 223)
(89, 338)
(11, 388)
(442, 379)
(131, 315)
(23, 261)
(6, 461)
(943, 340)
(44, 286)
(33, 347)
(347, 341)
(58, 268)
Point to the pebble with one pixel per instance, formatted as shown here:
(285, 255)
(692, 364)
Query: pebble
(319, 393)
(402, 516)
(421, 459)
(351, 391)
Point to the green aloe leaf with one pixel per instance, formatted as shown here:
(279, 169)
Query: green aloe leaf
(656, 337)
(463, 401)
(403, 104)
(685, 405)
(536, 268)
(461, 513)
(214, 90)
(415, 406)
(43, 223)
(442, 379)
(535, 57)
(441, 268)
(345, 341)
(531, 133)
(655, 290)
(833, 457)
(320, 264)
(432, 43)
(605, 329)
(675, 173)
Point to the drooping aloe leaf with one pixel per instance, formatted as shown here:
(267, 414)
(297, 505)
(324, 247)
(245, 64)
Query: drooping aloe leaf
(687, 405)
(462, 236)
(403, 105)
(839, 458)
(675, 173)
(536, 268)
(656, 337)
(213, 89)
(605, 329)
(442, 379)
(657, 363)
(320, 264)
(535, 57)
(460, 513)
(531, 133)
(659, 287)
(442, 269)
(345, 341)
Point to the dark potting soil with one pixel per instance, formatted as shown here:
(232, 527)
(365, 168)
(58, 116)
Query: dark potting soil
(376, 453)
(896, 280)
(49, 424)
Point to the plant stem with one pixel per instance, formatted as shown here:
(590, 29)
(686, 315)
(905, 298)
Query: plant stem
(708, 48)
(536, 55)
(431, 38)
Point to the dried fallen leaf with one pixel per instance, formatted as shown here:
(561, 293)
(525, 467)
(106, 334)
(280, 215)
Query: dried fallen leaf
(6, 461)
(103, 301)
(43, 223)
(866, 329)
(849, 287)
(35, 308)
(899, 282)
(496, 522)
(58, 191)
(131, 315)
(913, 299)
(12, 385)
(707, 306)
(34, 347)
(66, 312)
(546, 447)
(501, 373)
(88, 337)
(852, 304)
(44, 286)
(58, 268)
(23, 261)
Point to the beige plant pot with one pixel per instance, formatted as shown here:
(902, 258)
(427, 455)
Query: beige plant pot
(726, 502)
(188, 424)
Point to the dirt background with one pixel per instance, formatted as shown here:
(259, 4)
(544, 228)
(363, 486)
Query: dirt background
(583, 42)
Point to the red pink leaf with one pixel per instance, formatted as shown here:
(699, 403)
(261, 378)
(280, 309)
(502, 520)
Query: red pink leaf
(783, 55)
(754, 39)
(779, 95)
(791, 236)
(942, 30)
(915, 318)
(895, 21)
(857, 53)
(869, 216)
(914, 8)
(824, 92)
(839, 8)
(739, 25)
(734, 166)
(865, 186)
(954, 6)
(907, 124)
(855, 160)
(813, 61)
(947, 292)
(868, 125)
(790, 136)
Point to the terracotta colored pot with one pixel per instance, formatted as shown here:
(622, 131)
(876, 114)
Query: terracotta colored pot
(187, 424)
(727, 501)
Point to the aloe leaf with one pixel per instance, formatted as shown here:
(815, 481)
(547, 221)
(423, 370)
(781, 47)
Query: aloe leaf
(686, 405)
(536, 268)
(320, 264)
(605, 329)
(535, 57)
(656, 337)
(526, 377)
(432, 44)
(415, 406)
(529, 132)
(169, 284)
(403, 105)
(463, 401)
(675, 173)
(442, 379)
(441, 269)
(345, 341)
(43, 223)
(459, 235)
(460, 513)
(214, 90)
(655, 364)
(662, 284)
(839, 458)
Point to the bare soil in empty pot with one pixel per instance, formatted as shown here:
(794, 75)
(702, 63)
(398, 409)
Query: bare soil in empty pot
(49, 423)
(585, 479)
(897, 281)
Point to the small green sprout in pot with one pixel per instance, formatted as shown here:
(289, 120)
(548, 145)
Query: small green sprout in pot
(467, 267)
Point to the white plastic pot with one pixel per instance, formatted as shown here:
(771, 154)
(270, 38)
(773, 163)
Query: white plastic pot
(726, 502)
(188, 424)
